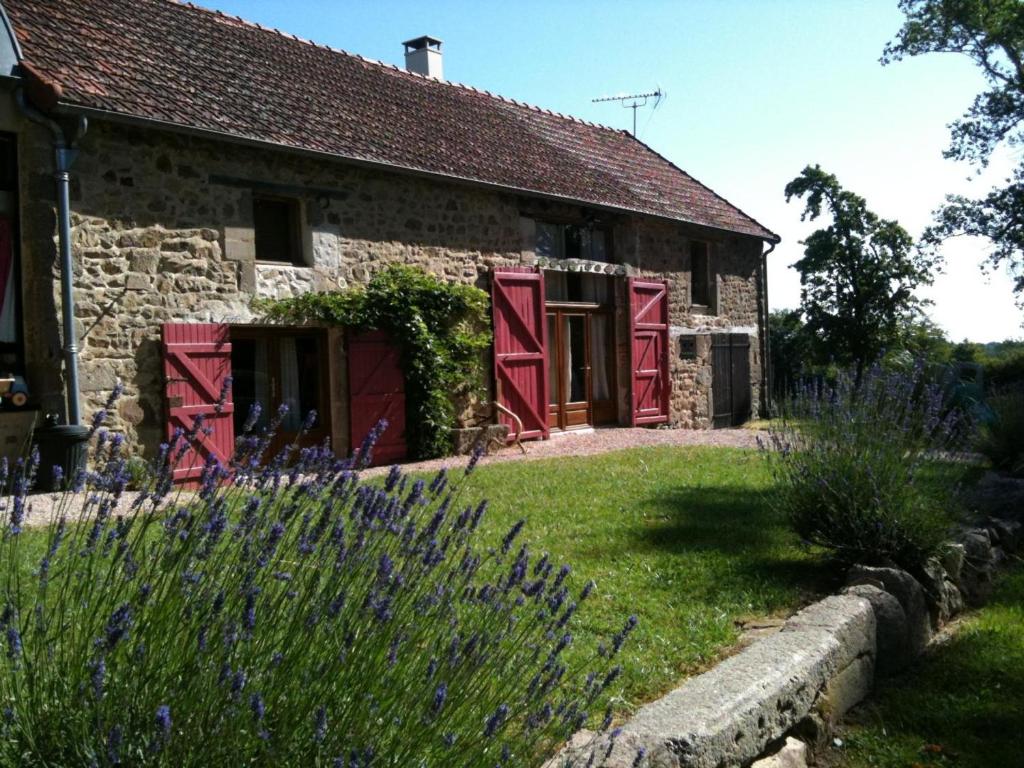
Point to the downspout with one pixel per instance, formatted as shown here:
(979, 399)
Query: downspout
(766, 346)
(65, 154)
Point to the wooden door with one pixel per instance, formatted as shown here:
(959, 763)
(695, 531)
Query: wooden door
(520, 349)
(376, 386)
(648, 324)
(197, 364)
(730, 379)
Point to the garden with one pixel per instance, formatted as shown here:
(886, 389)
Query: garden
(289, 611)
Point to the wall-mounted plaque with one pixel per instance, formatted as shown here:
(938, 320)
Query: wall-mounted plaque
(688, 347)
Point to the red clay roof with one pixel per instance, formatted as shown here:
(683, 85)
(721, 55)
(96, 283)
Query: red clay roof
(177, 63)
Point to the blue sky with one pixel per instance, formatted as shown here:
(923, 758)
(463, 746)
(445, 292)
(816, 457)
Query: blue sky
(756, 90)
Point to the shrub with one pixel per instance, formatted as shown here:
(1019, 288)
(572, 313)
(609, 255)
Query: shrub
(441, 329)
(850, 466)
(1001, 435)
(286, 613)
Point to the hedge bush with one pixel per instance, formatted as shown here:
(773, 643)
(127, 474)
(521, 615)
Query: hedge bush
(851, 465)
(1001, 435)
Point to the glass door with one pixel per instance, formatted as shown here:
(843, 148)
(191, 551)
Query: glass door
(581, 350)
(580, 383)
(275, 367)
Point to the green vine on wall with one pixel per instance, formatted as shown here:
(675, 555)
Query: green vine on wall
(441, 330)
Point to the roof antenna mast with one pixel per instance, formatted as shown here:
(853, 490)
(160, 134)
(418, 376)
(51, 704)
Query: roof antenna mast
(634, 101)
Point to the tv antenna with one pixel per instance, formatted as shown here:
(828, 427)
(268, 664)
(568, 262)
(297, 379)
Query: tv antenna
(634, 101)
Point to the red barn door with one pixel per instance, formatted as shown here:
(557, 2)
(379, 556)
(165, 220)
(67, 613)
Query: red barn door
(648, 325)
(197, 362)
(520, 349)
(376, 388)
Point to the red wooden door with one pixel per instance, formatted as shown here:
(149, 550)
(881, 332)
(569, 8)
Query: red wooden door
(197, 362)
(376, 388)
(521, 348)
(648, 325)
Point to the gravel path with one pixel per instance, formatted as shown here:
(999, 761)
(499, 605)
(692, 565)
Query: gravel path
(41, 507)
(590, 442)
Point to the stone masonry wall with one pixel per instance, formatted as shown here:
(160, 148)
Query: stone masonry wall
(163, 232)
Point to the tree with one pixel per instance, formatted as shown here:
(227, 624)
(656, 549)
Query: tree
(991, 34)
(857, 276)
(790, 348)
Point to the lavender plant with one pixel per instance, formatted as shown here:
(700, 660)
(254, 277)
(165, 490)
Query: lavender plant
(855, 467)
(284, 613)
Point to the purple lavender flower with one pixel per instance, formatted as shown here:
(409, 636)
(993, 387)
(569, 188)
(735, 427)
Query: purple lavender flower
(440, 696)
(13, 642)
(224, 396)
(506, 543)
(114, 740)
(163, 721)
(495, 721)
(320, 724)
(98, 677)
(254, 416)
(257, 706)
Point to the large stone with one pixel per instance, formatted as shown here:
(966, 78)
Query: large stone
(891, 633)
(908, 591)
(943, 595)
(979, 564)
(1007, 533)
(952, 560)
(792, 755)
(729, 715)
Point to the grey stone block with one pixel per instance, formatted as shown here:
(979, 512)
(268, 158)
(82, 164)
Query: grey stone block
(847, 689)
(891, 634)
(728, 715)
(908, 591)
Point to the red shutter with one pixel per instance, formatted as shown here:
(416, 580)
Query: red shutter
(648, 326)
(376, 388)
(197, 360)
(520, 348)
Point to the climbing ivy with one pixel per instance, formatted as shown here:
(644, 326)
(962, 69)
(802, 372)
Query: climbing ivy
(440, 328)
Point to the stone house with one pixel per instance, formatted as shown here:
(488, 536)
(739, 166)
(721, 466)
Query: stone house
(210, 161)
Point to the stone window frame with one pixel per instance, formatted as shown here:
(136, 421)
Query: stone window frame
(710, 307)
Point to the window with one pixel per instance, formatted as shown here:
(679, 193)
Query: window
(576, 287)
(277, 229)
(571, 241)
(700, 275)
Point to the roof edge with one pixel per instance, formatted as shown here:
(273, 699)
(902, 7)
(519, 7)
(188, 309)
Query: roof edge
(235, 138)
(774, 237)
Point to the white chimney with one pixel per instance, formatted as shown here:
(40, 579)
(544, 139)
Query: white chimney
(423, 56)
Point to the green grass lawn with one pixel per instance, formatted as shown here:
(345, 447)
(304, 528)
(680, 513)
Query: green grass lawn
(682, 537)
(962, 706)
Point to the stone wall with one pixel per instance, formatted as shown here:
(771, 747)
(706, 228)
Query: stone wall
(163, 232)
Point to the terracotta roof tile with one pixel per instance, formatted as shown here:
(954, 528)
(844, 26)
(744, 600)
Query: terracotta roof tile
(173, 62)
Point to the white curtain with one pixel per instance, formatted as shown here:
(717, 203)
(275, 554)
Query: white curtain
(567, 358)
(290, 384)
